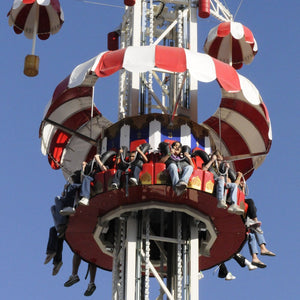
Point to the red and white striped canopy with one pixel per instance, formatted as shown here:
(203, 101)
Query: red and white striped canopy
(71, 126)
(232, 43)
(23, 15)
(244, 121)
(241, 128)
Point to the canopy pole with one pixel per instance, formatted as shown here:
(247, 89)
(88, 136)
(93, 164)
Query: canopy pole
(92, 111)
(35, 28)
(220, 131)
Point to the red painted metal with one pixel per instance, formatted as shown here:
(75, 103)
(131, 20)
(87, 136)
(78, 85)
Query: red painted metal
(129, 2)
(231, 232)
(113, 41)
(204, 9)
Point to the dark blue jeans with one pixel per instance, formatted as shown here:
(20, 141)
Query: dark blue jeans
(55, 245)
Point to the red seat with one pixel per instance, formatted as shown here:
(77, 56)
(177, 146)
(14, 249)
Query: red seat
(198, 161)
(196, 179)
(146, 175)
(135, 144)
(108, 176)
(208, 182)
(241, 200)
(160, 173)
(99, 185)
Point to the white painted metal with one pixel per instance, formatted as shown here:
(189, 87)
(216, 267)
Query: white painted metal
(132, 251)
(219, 11)
(193, 262)
(170, 23)
(131, 239)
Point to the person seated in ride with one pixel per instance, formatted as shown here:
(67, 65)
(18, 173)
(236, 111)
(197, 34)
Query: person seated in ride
(54, 250)
(64, 204)
(74, 278)
(257, 240)
(214, 166)
(180, 167)
(134, 163)
(251, 215)
(87, 175)
(255, 236)
(85, 189)
(241, 260)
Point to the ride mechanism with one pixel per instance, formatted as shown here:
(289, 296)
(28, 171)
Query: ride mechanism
(145, 231)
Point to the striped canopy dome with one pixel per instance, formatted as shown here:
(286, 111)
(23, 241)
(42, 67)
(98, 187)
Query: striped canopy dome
(24, 14)
(241, 125)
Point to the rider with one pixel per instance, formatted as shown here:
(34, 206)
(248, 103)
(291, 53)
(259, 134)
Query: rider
(180, 167)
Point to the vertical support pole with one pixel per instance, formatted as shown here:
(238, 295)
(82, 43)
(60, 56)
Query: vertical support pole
(135, 76)
(193, 47)
(194, 261)
(179, 258)
(131, 234)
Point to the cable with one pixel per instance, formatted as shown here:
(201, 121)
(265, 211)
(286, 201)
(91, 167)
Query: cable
(241, 2)
(98, 3)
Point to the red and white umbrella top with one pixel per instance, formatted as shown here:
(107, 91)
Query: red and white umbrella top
(245, 124)
(23, 16)
(232, 43)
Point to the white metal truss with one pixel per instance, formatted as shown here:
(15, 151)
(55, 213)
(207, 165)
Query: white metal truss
(169, 23)
(158, 241)
(219, 11)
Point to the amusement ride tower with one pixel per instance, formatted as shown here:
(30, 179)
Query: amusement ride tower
(147, 230)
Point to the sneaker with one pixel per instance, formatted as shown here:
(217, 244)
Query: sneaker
(200, 275)
(234, 209)
(229, 276)
(179, 190)
(251, 267)
(56, 268)
(114, 186)
(84, 201)
(67, 211)
(222, 204)
(258, 230)
(252, 224)
(90, 289)
(181, 184)
(72, 280)
(133, 181)
(49, 257)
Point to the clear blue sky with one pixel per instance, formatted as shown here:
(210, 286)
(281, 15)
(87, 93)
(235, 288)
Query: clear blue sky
(28, 185)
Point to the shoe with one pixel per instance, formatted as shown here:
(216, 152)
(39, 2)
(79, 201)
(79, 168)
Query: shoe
(268, 253)
(179, 191)
(200, 275)
(67, 211)
(222, 204)
(56, 268)
(258, 230)
(72, 280)
(114, 186)
(133, 181)
(251, 267)
(181, 184)
(61, 230)
(49, 257)
(234, 209)
(90, 289)
(252, 224)
(229, 276)
(259, 264)
(84, 201)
